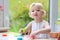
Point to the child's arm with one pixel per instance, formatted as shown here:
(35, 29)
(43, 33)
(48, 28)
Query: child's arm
(42, 31)
(26, 29)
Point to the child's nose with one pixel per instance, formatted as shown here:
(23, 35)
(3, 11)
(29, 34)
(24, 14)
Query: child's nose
(35, 12)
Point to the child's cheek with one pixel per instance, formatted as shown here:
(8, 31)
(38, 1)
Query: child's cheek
(32, 14)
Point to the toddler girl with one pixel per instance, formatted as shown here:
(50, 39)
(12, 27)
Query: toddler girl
(37, 27)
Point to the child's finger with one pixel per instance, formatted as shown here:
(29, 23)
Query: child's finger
(32, 36)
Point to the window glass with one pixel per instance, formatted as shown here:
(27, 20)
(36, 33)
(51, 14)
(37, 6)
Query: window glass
(58, 17)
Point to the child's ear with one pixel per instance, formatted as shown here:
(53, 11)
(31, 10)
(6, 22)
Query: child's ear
(43, 12)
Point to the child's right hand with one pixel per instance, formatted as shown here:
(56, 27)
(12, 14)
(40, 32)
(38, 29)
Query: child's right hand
(21, 30)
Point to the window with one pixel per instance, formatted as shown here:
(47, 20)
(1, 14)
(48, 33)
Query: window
(55, 15)
(1, 13)
(58, 17)
(4, 21)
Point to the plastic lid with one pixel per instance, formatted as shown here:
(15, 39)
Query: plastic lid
(4, 34)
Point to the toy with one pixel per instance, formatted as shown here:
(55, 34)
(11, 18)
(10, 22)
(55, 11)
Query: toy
(4, 36)
(24, 30)
(20, 37)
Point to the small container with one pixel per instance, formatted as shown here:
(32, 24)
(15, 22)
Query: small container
(4, 36)
(19, 37)
(53, 34)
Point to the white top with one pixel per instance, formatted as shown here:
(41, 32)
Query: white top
(37, 26)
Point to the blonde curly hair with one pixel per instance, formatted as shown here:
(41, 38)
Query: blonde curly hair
(37, 4)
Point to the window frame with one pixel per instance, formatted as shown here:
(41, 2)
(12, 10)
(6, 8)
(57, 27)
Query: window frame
(53, 14)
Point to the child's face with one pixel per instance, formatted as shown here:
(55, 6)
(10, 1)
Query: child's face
(36, 12)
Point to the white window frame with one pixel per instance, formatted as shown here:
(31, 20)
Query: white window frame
(6, 14)
(53, 14)
(5, 20)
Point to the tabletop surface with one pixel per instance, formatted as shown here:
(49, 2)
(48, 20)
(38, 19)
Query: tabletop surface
(12, 37)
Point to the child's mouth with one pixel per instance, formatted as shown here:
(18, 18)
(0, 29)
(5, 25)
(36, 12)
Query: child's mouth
(35, 15)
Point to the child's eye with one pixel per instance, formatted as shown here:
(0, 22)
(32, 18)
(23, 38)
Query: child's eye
(32, 10)
(38, 10)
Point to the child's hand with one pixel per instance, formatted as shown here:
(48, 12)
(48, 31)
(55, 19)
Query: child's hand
(21, 30)
(33, 36)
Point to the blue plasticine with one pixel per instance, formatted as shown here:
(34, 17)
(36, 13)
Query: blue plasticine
(20, 37)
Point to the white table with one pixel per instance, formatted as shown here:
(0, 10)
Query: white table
(10, 36)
